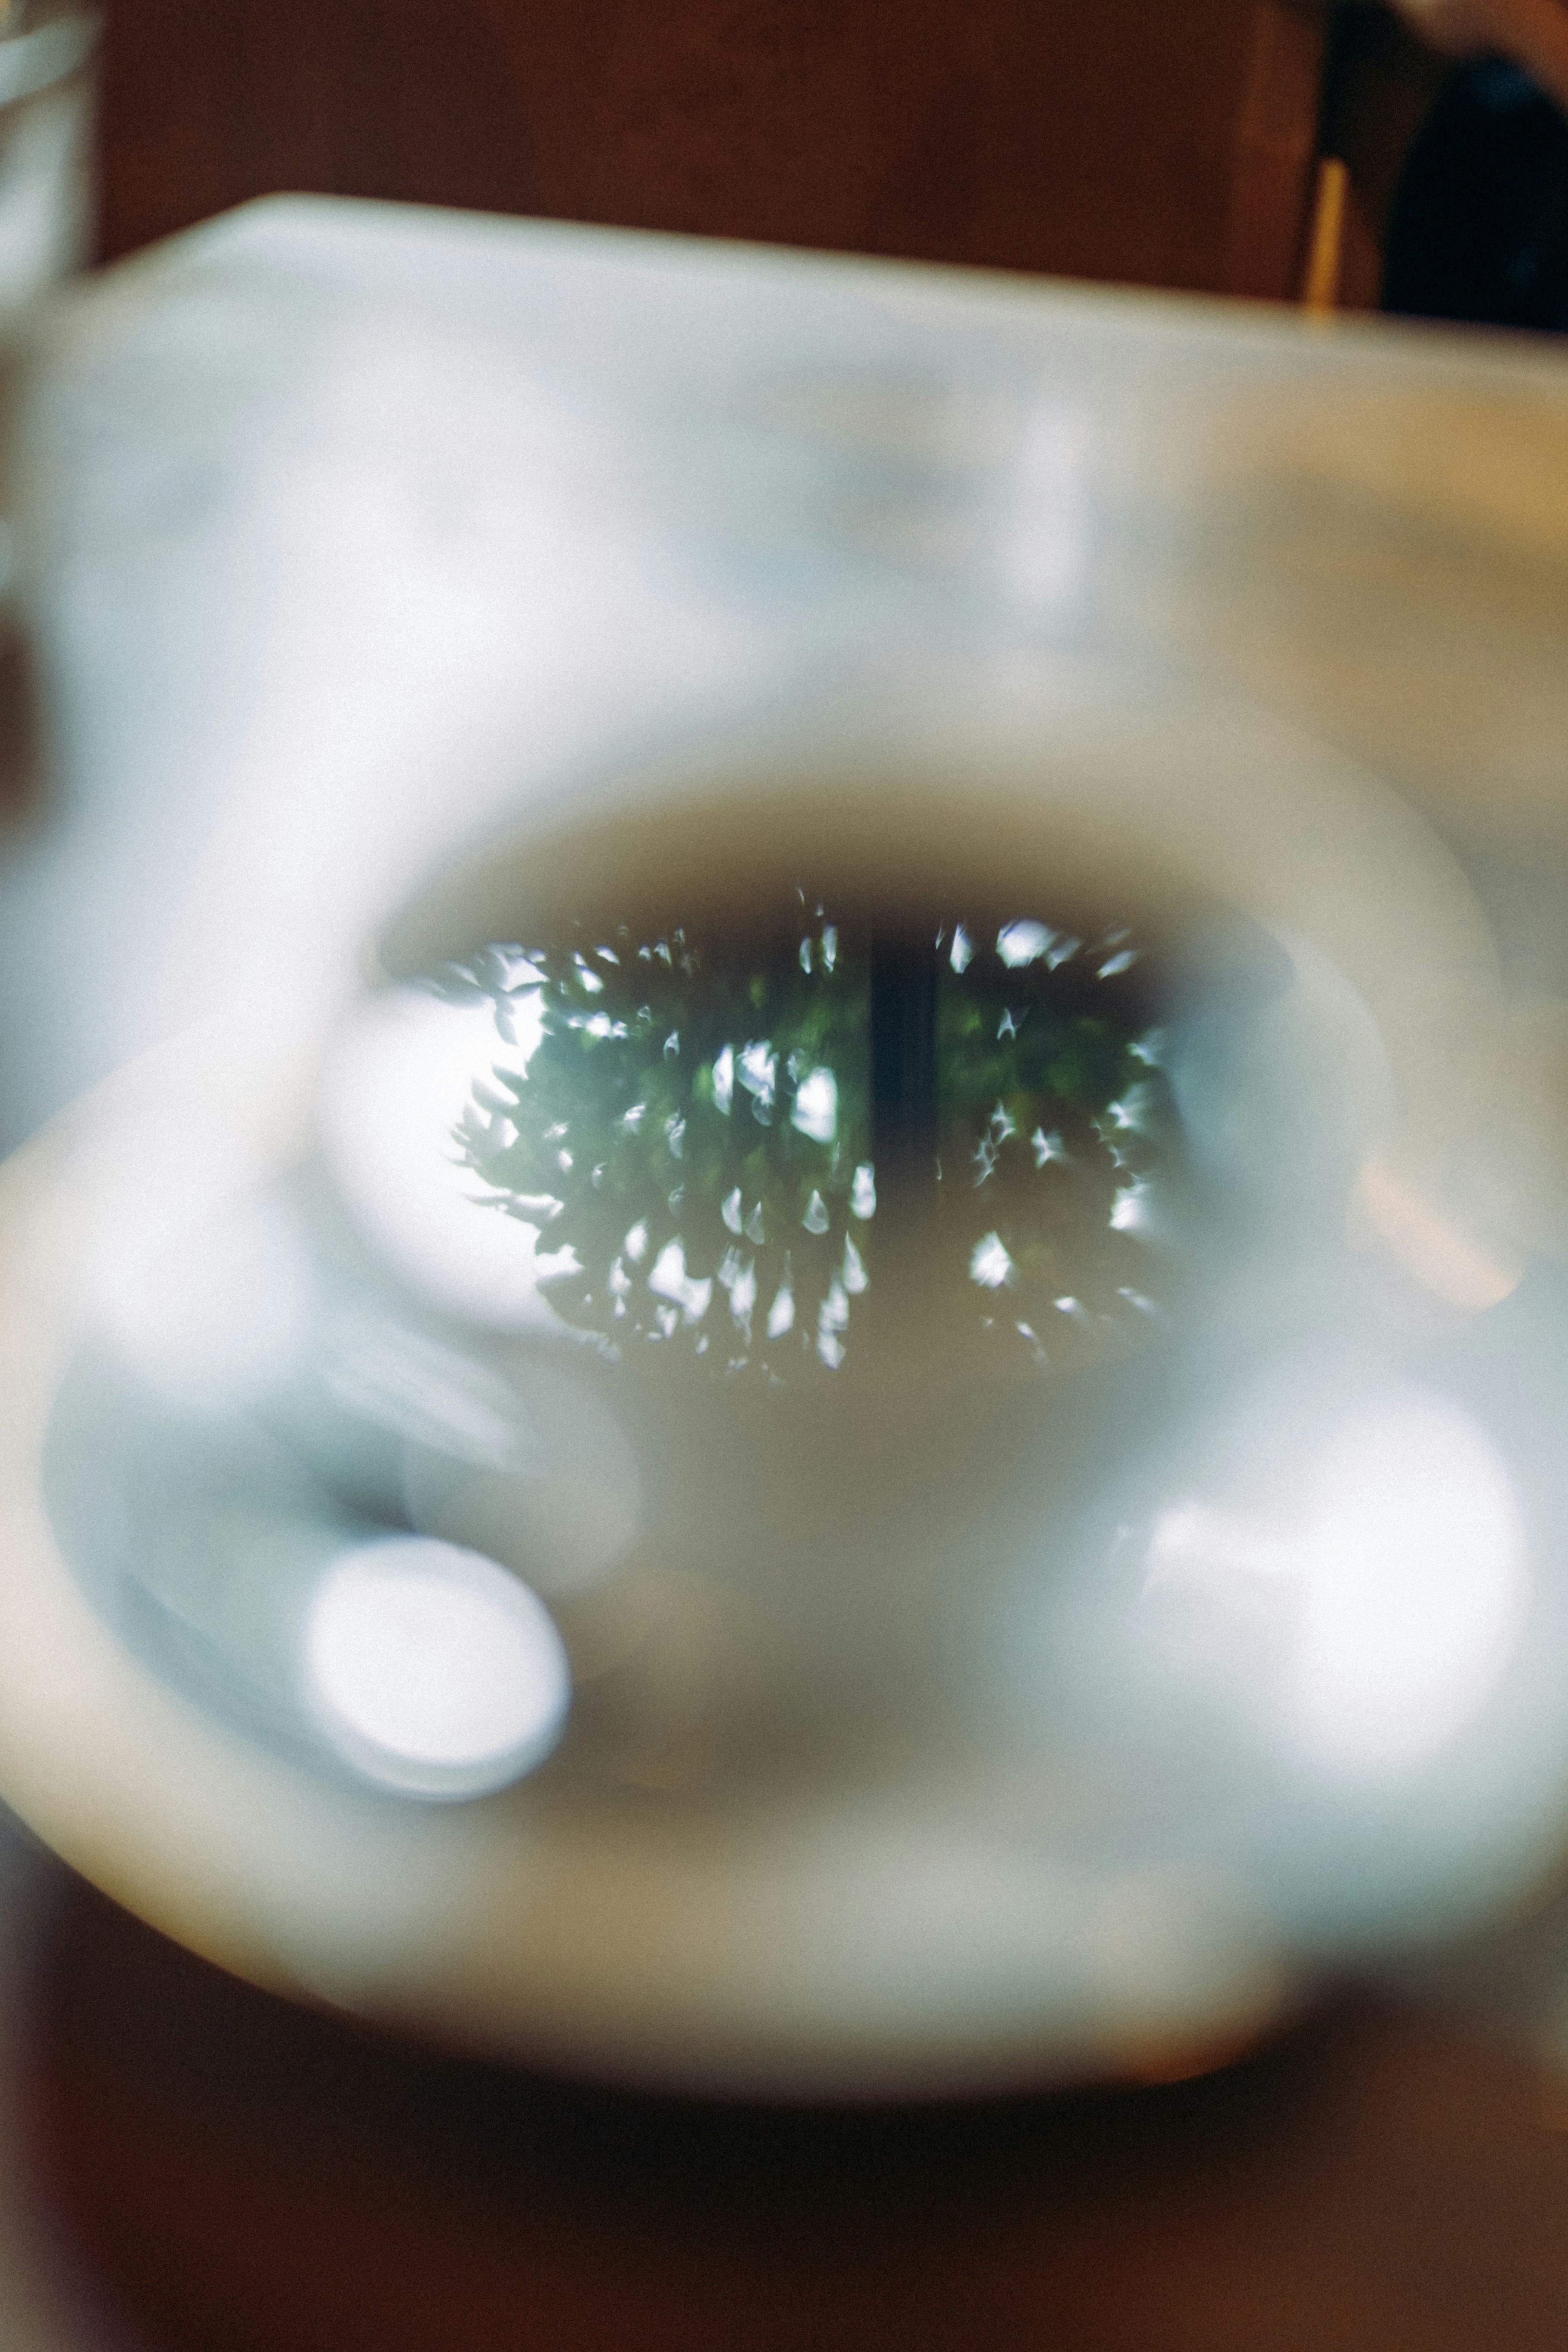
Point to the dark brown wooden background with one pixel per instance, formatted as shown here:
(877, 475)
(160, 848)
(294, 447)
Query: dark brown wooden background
(1162, 145)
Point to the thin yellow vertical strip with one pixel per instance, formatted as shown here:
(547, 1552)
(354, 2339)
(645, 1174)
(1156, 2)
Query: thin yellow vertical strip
(1326, 244)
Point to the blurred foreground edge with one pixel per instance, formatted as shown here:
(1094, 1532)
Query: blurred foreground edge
(241, 2176)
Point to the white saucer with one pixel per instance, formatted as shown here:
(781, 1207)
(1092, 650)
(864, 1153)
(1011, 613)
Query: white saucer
(948, 1930)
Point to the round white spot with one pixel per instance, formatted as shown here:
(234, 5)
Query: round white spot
(432, 1669)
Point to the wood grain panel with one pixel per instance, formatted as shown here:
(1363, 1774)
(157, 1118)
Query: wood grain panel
(1161, 146)
(206, 102)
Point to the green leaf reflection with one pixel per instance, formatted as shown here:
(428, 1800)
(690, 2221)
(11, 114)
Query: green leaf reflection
(702, 1130)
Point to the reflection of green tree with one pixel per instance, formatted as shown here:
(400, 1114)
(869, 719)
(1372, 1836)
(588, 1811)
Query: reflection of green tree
(663, 1134)
(1057, 1134)
(695, 1132)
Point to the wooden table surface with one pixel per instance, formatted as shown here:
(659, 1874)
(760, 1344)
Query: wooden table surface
(227, 2173)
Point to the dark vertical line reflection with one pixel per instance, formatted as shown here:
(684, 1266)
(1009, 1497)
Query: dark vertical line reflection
(904, 1070)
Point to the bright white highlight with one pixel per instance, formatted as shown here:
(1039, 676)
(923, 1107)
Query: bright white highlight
(400, 1079)
(1413, 1583)
(815, 1111)
(832, 1318)
(741, 1282)
(432, 1669)
(670, 1280)
(758, 1073)
(724, 1081)
(1372, 1615)
(1133, 1114)
(1022, 943)
(989, 1263)
(1129, 1210)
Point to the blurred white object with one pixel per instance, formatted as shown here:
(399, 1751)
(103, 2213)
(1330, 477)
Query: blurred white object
(47, 103)
(365, 534)
(433, 1669)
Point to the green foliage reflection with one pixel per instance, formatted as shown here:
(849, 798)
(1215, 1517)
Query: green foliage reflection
(696, 1135)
